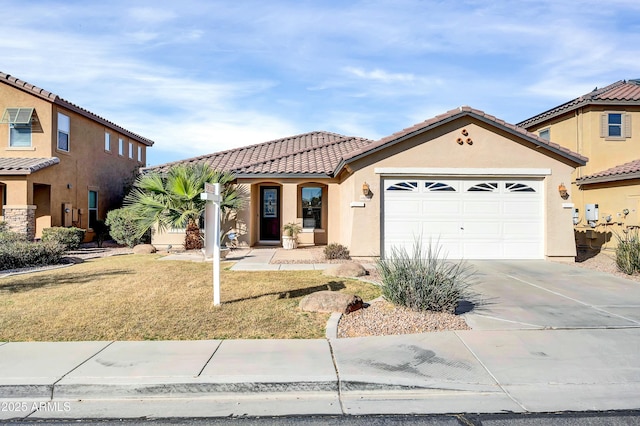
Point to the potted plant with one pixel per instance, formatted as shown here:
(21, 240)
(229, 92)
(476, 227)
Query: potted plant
(290, 235)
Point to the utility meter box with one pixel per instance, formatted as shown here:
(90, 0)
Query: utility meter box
(591, 213)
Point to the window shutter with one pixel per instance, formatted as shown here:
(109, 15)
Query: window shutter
(603, 126)
(627, 125)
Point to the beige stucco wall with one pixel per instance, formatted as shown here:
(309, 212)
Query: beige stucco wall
(612, 199)
(579, 131)
(87, 166)
(491, 149)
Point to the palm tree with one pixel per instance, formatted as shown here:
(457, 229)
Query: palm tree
(172, 200)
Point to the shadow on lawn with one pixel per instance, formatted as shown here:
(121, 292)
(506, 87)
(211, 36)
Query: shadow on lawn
(34, 283)
(292, 294)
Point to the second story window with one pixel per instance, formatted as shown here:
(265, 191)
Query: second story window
(20, 135)
(107, 141)
(131, 150)
(20, 127)
(140, 153)
(64, 126)
(120, 146)
(615, 125)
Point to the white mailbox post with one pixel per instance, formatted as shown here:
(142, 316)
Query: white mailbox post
(212, 233)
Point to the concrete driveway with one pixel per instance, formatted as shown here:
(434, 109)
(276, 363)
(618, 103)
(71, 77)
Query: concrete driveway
(542, 294)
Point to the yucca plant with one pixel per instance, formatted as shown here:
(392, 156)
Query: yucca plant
(425, 279)
(628, 251)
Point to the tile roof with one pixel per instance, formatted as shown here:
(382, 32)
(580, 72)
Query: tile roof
(624, 92)
(55, 99)
(325, 153)
(467, 111)
(630, 170)
(25, 166)
(314, 153)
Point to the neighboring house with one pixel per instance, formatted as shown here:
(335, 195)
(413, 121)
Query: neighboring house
(482, 188)
(60, 165)
(603, 125)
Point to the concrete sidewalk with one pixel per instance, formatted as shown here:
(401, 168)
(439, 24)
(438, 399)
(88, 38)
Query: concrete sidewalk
(448, 372)
(549, 337)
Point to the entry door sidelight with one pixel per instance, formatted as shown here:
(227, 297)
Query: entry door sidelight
(270, 213)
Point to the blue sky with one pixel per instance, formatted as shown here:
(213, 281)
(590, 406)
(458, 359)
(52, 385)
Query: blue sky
(201, 76)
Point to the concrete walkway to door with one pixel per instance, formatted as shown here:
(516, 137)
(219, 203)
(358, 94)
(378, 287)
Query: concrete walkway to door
(547, 295)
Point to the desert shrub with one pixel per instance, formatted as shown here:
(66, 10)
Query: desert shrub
(628, 252)
(336, 251)
(70, 238)
(7, 236)
(123, 226)
(424, 280)
(23, 254)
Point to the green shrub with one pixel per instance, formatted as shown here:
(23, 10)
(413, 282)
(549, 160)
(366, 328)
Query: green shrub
(10, 237)
(424, 281)
(70, 238)
(23, 254)
(628, 252)
(336, 251)
(123, 226)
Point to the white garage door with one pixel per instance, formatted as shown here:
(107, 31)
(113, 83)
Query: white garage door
(471, 218)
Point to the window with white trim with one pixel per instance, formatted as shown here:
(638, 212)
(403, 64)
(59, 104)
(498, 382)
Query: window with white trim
(131, 150)
(120, 146)
(140, 153)
(107, 141)
(64, 127)
(20, 135)
(615, 125)
(20, 127)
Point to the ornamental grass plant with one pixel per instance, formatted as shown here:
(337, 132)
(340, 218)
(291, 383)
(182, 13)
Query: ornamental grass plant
(424, 280)
(628, 252)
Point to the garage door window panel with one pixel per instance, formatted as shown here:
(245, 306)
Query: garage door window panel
(403, 186)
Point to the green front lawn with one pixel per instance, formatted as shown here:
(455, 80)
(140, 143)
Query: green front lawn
(138, 297)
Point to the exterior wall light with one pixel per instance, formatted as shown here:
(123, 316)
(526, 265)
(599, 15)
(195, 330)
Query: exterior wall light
(562, 190)
(366, 189)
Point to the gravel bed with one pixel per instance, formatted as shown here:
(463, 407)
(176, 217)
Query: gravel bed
(382, 318)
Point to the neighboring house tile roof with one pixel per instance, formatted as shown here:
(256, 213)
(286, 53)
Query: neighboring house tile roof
(460, 112)
(630, 170)
(619, 93)
(325, 154)
(25, 166)
(55, 99)
(314, 153)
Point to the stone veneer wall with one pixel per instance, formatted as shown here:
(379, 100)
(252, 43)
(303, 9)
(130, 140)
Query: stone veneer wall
(21, 219)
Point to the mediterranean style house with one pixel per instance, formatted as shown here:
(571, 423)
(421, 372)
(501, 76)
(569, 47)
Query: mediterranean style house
(60, 165)
(479, 187)
(603, 125)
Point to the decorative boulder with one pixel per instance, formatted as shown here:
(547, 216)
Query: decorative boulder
(347, 270)
(144, 249)
(331, 301)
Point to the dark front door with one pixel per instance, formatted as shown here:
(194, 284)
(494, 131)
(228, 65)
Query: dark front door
(270, 213)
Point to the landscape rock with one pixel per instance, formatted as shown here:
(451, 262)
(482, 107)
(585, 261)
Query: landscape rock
(144, 249)
(331, 301)
(347, 270)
